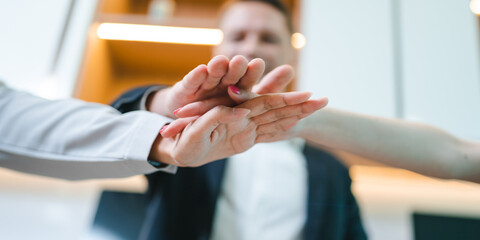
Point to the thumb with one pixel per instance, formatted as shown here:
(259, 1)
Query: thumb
(276, 80)
(240, 96)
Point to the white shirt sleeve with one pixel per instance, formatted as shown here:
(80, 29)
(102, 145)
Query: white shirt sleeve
(74, 140)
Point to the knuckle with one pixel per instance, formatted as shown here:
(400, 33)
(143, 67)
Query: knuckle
(280, 114)
(251, 126)
(262, 130)
(257, 120)
(270, 102)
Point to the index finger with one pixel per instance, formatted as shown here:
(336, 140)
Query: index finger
(276, 80)
(264, 103)
(254, 72)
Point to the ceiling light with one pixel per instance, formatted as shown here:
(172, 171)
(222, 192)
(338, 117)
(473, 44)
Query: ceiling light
(155, 33)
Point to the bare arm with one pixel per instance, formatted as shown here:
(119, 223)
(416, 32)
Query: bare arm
(414, 146)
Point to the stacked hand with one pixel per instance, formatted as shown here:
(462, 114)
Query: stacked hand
(221, 116)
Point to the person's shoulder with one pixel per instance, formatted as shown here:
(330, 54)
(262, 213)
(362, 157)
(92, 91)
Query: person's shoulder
(131, 100)
(131, 95)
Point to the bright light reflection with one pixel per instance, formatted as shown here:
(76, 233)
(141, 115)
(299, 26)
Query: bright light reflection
(165, 34)
(298, 40)
(475, 6)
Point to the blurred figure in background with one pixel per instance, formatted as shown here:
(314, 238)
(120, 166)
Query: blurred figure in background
(282, 190)
(388, 141)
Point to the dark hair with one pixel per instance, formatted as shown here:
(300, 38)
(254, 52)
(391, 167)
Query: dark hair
(277, 4)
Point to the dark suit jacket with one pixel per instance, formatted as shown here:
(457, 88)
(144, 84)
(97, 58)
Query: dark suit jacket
(182, 205)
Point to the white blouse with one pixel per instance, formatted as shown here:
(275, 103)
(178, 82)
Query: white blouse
(263, 194)
(74, 140)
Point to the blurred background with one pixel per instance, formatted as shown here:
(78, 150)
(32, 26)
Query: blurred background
(409, 59)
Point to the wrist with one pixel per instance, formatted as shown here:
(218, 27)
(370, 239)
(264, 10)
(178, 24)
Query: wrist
(157, 102)
(158, 155)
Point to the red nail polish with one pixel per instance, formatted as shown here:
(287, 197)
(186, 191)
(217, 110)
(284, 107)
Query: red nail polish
(234, 89)
(163, 129)
(176, 111)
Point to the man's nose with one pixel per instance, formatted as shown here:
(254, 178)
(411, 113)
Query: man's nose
(250, 48)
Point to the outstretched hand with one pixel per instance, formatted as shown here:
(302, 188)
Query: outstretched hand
(273, 82)
(210, 128)
(224, 131)
(207, 82)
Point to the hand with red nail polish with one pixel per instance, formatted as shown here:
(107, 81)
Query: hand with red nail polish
(194, 141)
(275, 81)
(234, 90)
(221, 132)
(207, 82)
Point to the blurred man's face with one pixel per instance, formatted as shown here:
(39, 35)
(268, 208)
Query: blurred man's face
(255, 30)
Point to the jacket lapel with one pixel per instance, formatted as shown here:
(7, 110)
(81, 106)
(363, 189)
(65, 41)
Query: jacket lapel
(182, 206)
(316, 194)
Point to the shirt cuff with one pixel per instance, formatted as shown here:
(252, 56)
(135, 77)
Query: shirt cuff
(143, 101)
(145, 134)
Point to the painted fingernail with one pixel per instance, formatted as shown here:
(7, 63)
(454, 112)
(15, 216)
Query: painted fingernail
(163, 129)
(176, 111)
(234, 89)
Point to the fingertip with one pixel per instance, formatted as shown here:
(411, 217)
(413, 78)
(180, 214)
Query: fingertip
(170, 130)
(219, 58)
(195, 77)
(163, 129)
(236, 94)
(287, 67)
(200, 69)
(234, 90)
(217, 68)
(188, 110)
(176, 111)
(236, 69)
(297, 97)
(239, 59)
(257, 61)
(320, 103)
(240, 63)
(325, 101)
(253, 74)
(276, 80)
(288, 73)
(166, 133)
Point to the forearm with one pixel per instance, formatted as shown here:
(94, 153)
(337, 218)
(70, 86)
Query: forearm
(413, 146)
(73, 140)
